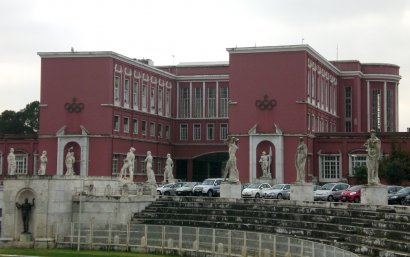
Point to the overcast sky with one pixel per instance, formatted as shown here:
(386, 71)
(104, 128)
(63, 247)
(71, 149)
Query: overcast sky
(173, 31)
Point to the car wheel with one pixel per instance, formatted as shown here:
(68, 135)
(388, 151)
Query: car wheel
(357, 200)
(403, 201)
(330, 198)
(210, 193)
(257, 195)
(159, 192)
(280, 196)
(167, 193)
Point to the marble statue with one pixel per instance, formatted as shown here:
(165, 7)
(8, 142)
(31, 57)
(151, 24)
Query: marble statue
(43, 163)
(11, 161)
(230, 169)
(300, 161)
(150, 172)
(128, 165)
(25, 213)
(69, 162)
(265, 161)
(373, 148)
(169, 166)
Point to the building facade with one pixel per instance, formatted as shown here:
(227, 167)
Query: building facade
(101, 103)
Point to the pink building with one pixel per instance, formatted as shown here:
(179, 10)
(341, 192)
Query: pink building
(102, 103)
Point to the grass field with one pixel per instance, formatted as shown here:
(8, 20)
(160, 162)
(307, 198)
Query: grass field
(69, 253)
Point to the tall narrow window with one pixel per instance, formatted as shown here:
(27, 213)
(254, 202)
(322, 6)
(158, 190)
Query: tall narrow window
(159, 166)
(223, 102)
(143, 166)
(144, 128)
(152, 129)
(389, 115)
(210, 132)
(144, 98)
(159, 130)
(116, 123)
(183, 132)
(135, 129)
(115, 158)
(21, 164)
(184, 102)
(348, 109)
(135, 95)
(330, 167)
(167, 103)
(356, 160)
(117, 90)
(160, 100)
(197, 131)
(224, 131)
(1, 163)
(309, 75)
(376, 110)
(308, 121)
(167, 132)
(197, 113)
(126, 93)
(211, 97)
(126, 125)
(152, 100)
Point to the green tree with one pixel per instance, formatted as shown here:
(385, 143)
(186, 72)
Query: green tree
(360, 173)
(30, 117)
(396, 167)
(23, 122)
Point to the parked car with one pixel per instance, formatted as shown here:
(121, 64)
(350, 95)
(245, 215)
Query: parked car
(393, 189)
(277, 191)
(407, 200)
(352, 194)
(186, 188)
(169, 189)
(399, 197)
(210, 187)
(330, 192)
(286, 195)
(255, 190)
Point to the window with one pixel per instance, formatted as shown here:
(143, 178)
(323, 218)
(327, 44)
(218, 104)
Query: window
(135, 94)
(159, 130)
(126, 125)
(159, 166)
(330, 169)
(144, 128)
(160, 100)
(197, 113)
(126, 93)
(210, 132)
(197, 131)
(135, 129)
(152, 129)
(356, 160)
(1, 163)
(21, 164)
(117, 90)
(183, 132)
(167, 103)
(313, 122)
(115, 158)
(224, 131)
(144, 98)
(143, 166)
(35, 163)
(116, 123)
(376, 110)
(223, 102)
(211, 110)
(348, 109)
(389, 115)
(167, 132)
(152, 99)
(184, 103)
(308, 121)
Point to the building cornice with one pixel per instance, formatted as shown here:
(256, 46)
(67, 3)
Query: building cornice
(203, 77)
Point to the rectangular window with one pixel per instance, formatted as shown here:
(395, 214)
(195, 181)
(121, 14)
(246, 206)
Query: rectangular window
(115, 164)
(224, 132)
(126, 93)
(116, 123)
(167, 103)
(184, 102)
(135, 129)
(197, 113)
(223, 102)
(308, 121)
(143, 166)
(136, 165)
(116, 90)
(348, 109)
(159, 130)
(376, 110)
(389, 115)
(197, 131)
(144, 128)
(21, 164)
(330, 167)
(35, 163)
(160, 100)
(126, 125)
(183, 132)
(144, 98)
(135, 95)
(1, 163)
(313, 123)
(159, 166)
(152, 99)
(356, 160)
(152, 129)
(210, 135)
(211, 100)
(167, 132)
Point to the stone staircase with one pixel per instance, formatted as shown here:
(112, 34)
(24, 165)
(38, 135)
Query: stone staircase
(364, 229)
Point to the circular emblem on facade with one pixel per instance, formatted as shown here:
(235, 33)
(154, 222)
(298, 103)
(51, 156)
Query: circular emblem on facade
(74, 106)
(266, 103)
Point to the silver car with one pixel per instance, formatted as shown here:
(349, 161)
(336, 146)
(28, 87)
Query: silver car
(330, 192)
(255, 190)
(278, 191)
(169, 189)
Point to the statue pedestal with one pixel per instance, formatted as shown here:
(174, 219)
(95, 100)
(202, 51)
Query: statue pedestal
(231, 190)
(26, 237)
(374, 195)
(301, 192)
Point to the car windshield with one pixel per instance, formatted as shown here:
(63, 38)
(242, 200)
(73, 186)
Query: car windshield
(404, 190)
(279, 186)
(355, 188)
(208, 182)
(327, 186)
(169, 185)
(254, 186)
(189, 184)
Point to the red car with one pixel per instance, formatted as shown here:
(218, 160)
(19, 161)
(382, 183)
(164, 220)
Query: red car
(351, 195)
